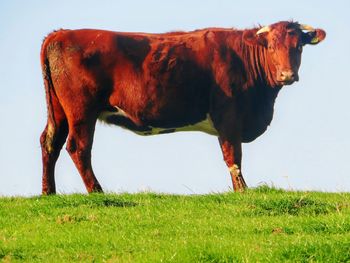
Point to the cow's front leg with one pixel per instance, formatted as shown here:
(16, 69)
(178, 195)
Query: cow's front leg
(232, 152)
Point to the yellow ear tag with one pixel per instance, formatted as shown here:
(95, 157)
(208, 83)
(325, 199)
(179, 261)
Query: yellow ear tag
(315, 40)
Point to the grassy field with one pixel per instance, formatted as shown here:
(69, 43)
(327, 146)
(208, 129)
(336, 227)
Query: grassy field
(261, 225)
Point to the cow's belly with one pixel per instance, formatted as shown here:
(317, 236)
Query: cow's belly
(202, 126)
(122, 119)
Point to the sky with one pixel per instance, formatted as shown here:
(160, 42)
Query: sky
(305, 148)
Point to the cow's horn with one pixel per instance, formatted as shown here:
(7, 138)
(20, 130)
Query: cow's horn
(306, 27)
(263, 30)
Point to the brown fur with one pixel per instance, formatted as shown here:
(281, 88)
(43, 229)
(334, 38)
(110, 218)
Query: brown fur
(167, 81)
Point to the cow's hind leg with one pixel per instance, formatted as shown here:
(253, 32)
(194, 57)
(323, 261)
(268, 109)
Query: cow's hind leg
(79, 146)
(52, 139)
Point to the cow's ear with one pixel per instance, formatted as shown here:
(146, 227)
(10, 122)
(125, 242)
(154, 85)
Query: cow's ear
(251, 38)
(313, 37)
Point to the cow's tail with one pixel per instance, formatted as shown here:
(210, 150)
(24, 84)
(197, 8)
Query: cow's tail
(55, 112)
(45, 66)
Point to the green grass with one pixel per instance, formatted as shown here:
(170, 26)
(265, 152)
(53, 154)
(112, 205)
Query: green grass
(260, 225)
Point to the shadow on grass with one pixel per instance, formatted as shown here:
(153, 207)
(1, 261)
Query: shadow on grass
(116, 203)
(213, 256)
(92, 200)
(290, 206)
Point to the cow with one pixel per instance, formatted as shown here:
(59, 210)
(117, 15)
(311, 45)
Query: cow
(221, 81)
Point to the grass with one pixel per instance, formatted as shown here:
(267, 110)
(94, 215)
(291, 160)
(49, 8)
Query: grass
(260, 225)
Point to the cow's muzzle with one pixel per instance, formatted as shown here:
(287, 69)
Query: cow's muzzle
(287, 77)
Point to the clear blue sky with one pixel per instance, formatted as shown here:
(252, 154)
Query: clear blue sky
(306, 147)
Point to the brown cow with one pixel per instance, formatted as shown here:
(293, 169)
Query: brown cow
(220, 81)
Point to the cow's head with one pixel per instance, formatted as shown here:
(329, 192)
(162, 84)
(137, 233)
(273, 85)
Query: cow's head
(284, 43)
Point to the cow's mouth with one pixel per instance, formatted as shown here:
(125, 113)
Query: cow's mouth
(286, 82)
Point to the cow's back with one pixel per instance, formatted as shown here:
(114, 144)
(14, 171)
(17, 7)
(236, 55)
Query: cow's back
(160, 80)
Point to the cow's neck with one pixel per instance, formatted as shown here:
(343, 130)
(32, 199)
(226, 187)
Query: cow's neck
(259, 74)
(258, 69)
(258, 93)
